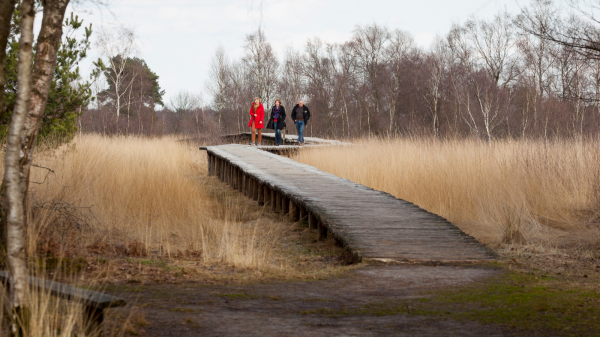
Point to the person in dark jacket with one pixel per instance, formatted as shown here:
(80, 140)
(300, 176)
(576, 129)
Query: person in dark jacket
(300, 116)
(277, 120)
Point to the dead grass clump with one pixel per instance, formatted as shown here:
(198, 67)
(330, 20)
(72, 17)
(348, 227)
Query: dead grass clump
(525, 191)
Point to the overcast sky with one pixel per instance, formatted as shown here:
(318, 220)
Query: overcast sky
(177, 38)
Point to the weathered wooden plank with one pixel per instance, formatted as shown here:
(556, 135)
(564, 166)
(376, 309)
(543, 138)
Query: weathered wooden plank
(69, 292)
(372, 224)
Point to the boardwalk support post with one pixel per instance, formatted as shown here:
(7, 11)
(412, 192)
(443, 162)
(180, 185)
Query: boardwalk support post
(294, 211)
(273, 200)
(277, 202)
(266, 194)
(302, 212)
(227, 175)
(209, 162)
(312, 221)
(255, 187)
(322, 230)
(244, 184)
(285, 205)
(261, 195)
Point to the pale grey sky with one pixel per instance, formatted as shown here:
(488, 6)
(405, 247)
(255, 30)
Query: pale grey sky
(177, 38)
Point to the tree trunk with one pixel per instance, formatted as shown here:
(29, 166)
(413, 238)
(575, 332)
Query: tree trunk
(7, 9)
(13, 179)
(48, 43)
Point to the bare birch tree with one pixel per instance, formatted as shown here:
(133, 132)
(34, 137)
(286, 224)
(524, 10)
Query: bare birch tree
(432, 90)
(116, 48)
(14, 181)
(401, 43)
(494, 43)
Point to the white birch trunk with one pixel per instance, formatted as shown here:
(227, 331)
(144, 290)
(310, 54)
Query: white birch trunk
(12, 174)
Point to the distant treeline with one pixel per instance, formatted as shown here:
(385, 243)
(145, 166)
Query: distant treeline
(534, 74)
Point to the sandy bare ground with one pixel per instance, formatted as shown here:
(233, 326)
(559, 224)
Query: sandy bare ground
(304, 308)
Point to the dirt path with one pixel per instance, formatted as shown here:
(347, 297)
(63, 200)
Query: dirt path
(320, 308)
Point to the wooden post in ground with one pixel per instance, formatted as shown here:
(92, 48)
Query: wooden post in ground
(261, 195)
(267, 194)
(278, 202)
(209, 160)
(214, 165)
(312, 221)
(255, 190)
(233, 177)
(285, 205)
(293, 211)
(322, 230)
(227, 168)
(302, 212)
(93, 319)
(273, 200)
(220, 169)
(217, 167)
(240, 180)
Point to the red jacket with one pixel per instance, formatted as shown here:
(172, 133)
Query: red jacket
(260, 116)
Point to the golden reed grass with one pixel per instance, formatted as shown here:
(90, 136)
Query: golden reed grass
(152, 192)
(513, 191)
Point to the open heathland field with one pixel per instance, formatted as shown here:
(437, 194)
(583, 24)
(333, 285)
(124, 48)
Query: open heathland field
(140, 218)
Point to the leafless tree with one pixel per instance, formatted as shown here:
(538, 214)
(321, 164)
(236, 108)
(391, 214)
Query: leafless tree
(369, 48)
(218, 80)
(493, 43)
(432, 91)
(184, 102)
(262, 63)
(401, 44)
(344, 68)
(116, 47)
(239, 92)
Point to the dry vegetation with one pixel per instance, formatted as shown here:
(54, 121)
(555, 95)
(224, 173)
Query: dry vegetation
(514, 195)
(143, 210)
(108, 211)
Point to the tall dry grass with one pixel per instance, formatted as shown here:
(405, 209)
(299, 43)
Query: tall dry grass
(148, 193)
(513, 191)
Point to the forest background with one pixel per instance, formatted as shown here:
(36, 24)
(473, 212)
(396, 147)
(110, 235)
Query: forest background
(488, 79)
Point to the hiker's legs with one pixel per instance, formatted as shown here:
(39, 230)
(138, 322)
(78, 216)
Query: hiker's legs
(283, 136)
(300, 126)
(259, 136)
(277, 134)
(253, 132)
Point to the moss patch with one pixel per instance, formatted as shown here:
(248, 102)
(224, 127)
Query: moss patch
(515, 300)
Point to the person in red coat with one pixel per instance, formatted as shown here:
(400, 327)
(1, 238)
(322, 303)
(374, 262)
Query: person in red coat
(257, 115)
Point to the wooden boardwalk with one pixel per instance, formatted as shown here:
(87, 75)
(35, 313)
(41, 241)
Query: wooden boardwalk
(372, 224)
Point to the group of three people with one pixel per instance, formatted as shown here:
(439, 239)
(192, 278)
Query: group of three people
(300, 116)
